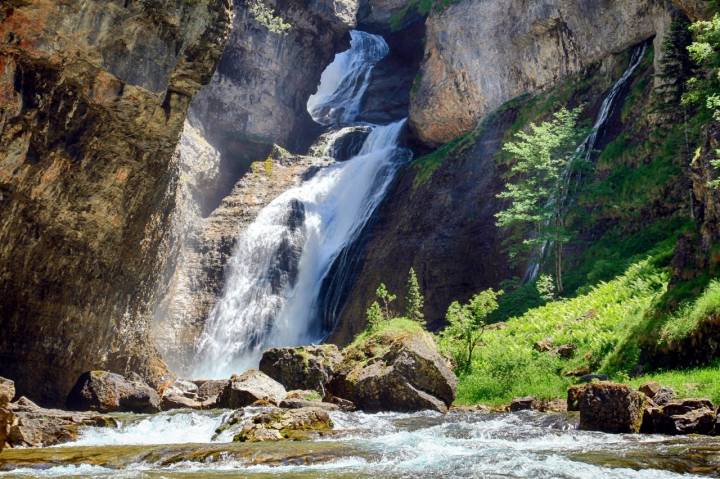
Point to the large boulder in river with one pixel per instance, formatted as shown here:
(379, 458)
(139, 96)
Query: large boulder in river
(35, 426)
(687, 416)
(611, 407)
(395, 370)
(278, 424)
(308, 367)
(249, 387)
(103, 391)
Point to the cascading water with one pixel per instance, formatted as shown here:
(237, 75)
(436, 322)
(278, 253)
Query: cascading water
(587, 147)
(281, 259)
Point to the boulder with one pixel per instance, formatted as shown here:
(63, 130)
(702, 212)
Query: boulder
(395, 372)
(210, 389)
(343, 404)
(103, 391)
(7, 391)
(544, 345)
(611, 407)
(278, 424)
(304, 403)
(249, 387)
(573, 397)
(659, 394)
(587, 378)
(7, 418)
(523, 404)
(35, 426)
(688, 416)
(309, 367)
(172, 400)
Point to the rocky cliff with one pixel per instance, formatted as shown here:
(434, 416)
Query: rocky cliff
(93, 96)
(259, 92)
(480, 54)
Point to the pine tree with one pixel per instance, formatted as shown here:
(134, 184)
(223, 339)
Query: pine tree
(676, 66)
(374, 315)
(414, 301)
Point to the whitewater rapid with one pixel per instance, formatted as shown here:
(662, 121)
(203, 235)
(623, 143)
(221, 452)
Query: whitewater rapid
(387, 445)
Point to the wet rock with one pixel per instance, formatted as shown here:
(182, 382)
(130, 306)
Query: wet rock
(35, 426)
(688, 416)
(523, 404)
(309, 367)
(551, 405)
(390, 373)
(573, 397)
(172, 400)
(344, 404)
(249, 387)
(103, 391)
(281, 424)
(611, 407)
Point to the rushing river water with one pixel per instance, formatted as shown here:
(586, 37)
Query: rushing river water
(389, 445)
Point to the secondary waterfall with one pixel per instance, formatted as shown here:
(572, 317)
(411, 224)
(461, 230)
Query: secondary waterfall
(587, 147)
(280, 261)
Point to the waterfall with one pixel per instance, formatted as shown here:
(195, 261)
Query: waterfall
(587, 147)
(280, 261)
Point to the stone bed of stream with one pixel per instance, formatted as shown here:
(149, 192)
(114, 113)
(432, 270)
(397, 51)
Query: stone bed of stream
(180, 444)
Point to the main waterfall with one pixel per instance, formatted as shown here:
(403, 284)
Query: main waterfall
(274, 278)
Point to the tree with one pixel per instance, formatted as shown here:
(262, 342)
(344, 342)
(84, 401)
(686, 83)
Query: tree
(543, 161)
(377, 313)
(545, 286)
(676, 66)
(414, 301)
(466, 324)
(705, 52)
(386, 297)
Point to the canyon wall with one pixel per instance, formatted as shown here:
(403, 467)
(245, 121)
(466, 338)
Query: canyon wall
(93, 96)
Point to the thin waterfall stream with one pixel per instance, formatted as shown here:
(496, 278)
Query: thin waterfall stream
(586, 149)
(280, 261)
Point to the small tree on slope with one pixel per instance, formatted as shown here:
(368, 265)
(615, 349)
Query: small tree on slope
(414, 301)
(537, 189)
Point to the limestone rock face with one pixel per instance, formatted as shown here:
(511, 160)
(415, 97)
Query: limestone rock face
(258, 95)
(310, 367)
(109, 392)
(396, 374)
(481, 53)
(35, 426)
(93, 95)
(249, 387)
(611, 407)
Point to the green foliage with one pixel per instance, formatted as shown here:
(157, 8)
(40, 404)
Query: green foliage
(507, 365)
(426, 165)
(704, 89)
(676, 67)
(696, 382)
(538, 186)
(421, 7)
(376, 313)
(267, 17)
(392, 328)
(691, 314)
(545, 286)
(465, 326)
(414, 300)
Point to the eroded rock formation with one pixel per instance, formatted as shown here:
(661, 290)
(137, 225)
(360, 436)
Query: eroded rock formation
(93, 96)
(471, 67)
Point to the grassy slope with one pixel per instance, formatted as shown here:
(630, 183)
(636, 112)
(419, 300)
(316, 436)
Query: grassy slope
(629, 213)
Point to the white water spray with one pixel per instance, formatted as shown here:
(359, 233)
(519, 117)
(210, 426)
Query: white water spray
(280, 260)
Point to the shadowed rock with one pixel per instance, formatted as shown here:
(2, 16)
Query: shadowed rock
(103, 391)
(611, 407)
(310, 367)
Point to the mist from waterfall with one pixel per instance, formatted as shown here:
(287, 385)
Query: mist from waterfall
(280, 260)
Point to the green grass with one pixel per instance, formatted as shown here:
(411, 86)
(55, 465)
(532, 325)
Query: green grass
(697, 382)
(506, 364)
(691, 314)
(386, 331)
(425, 166)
